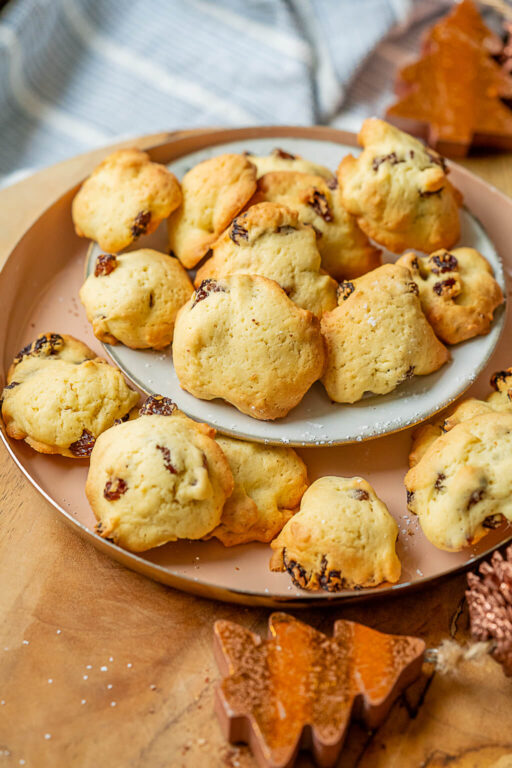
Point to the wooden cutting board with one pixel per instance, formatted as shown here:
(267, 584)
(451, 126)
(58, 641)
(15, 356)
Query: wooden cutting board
(101, 667)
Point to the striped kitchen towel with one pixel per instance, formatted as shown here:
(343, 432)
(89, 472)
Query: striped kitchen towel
(77, 74)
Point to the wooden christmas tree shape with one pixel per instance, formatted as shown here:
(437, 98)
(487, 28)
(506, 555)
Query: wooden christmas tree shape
(299, 688)
(453, 93)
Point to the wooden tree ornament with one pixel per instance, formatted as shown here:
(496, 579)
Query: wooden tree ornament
(300, 688)
(452, 94)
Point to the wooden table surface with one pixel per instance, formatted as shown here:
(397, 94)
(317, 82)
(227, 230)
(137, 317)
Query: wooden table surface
(100, 667)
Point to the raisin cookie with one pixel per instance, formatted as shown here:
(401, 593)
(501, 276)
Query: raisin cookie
(378, 337)
(242, 339)
(269, 484)
(214, 191)
(345, 250)
(343, 537)
(462, 486)
(399, 191)
(59, 396)
(458, 292)
(134, 298)
(498, 401)
(279, 160)
(156, 479)
(269, 240)
(125, 196)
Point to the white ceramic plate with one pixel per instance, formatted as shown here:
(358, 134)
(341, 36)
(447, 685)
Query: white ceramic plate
(316, 420)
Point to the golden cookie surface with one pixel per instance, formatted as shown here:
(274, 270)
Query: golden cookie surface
(279, 160)
(157, 479)
(214, 191)
(498, 401)
(60, 397)
(399, 191)
(269, 484)
(269, 240)
(242, 339)
(378, 336)
(345, 250)
(342, 537)
(458, 292)
(462, 485)
(126, 196)
(134, 298)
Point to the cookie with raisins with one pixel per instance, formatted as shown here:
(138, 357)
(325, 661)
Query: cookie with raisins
(280, 160)
(345, 250)
(500, 400)
(378, 337)
(214, 192)
(59, 396)
(343, 537)
(134, 298)
(462, 485)
(157, 479)
(399, 191)
(269, 484)
(242, 339)
(125, 197)
(269, 240)
(457, 290)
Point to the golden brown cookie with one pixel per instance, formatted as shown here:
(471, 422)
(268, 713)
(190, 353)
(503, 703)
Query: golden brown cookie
(280, 160)
(345, 250)
(125, 197)
(156, 479)
(498, 401)
(269, 240)
(458, 292)
(462, 486)
(399, 191)
(342, 537)
(134, 298)
(60, 397)
(378, 336)
(214, 191)
(269, 484)
(241, 338)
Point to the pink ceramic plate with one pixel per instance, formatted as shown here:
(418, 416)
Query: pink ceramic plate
(39, 292)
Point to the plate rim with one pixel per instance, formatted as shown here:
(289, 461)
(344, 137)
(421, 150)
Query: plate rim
(189, 584)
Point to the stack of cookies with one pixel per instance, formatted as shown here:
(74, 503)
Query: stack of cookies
(273, 281)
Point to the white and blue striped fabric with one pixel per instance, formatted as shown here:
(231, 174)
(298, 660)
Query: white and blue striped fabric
(77, 74)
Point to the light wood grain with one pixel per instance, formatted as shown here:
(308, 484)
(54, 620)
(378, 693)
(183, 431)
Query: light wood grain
(66, 611)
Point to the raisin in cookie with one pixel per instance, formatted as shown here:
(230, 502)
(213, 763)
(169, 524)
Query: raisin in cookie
(462, 486)
(269, 240)
(156, 479)
(269, 484)
(241, 338)
(458, 292)
(345, 250)
(279, 160)
(399, 191)
(498, 401)
(125, 196)
(342, 537)
(59, 396)
(134, 298)
(214, 191)
(378, 336)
